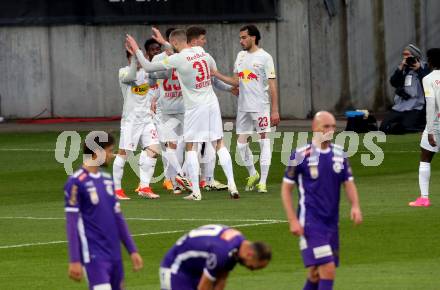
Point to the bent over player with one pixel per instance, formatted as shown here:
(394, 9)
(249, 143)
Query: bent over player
(94, 222)
(203, 258)
(319, 169)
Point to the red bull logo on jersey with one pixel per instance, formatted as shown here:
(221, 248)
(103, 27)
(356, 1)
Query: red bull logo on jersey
(140, 90)
(247, 76)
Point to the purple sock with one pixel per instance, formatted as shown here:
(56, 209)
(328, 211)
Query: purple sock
(310, 285)
(325, 284)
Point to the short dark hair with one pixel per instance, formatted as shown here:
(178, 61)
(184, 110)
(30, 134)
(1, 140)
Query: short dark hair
(433, 55)
(252, 31)
(262, 251)
(95, 136)
(127, 54)
(150, 41)
(168, 32)
(194, 32)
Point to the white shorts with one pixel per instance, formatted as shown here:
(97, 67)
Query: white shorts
(425, 144)
(203, 123)
(131, 134)
(170, 127)
(250, 122)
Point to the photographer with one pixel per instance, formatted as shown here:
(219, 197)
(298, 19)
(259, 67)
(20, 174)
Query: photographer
(408, 112)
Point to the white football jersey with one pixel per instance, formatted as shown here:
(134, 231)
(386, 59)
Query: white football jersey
(170, 99)
(431, 85)
(254, 70)
(193, 67)
(136, 108)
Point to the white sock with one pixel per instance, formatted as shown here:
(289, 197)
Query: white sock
(209, 170)
(180, 151)
(165, 165)
(265, 159)
(424, 176)
(146, 168)
(226, 162)
(247, 157)
(171, 156)
(209, 164)
(192, 165)
(118, 171)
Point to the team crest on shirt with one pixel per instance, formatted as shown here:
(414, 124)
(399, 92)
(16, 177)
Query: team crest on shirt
(314, 171)
(337, 167)
(140, 90)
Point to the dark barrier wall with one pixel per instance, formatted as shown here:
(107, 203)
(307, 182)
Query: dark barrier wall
(43, 12)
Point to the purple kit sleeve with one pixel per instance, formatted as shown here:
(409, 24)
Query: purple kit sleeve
(71, 207)
(124, 233)
(72, 236)
(290, 175)
(347, 174)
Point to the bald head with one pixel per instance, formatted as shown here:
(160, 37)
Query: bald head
(323, 126)
(323, 119)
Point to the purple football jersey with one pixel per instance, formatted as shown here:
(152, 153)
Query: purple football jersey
(210, 249)
(319, 175)
(92, 196)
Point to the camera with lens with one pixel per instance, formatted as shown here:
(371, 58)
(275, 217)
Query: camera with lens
(411, 61)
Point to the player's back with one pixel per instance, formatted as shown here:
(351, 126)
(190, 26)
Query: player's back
(201, 247)
(193, 67)
(170, 93)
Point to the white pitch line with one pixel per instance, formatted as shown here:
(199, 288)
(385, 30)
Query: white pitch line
(29, 149)
(32, 244)
(153, 219)
(138, 235)
(362, 151)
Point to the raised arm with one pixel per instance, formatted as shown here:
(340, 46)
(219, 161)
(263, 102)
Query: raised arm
(128, 76)
(133, 47)
(163, 74)
(166, 46)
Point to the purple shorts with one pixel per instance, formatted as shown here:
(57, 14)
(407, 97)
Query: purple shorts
(319, 247)
(105, 274)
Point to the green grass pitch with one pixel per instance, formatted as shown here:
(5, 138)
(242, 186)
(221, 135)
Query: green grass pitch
(397, 247)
